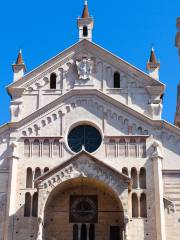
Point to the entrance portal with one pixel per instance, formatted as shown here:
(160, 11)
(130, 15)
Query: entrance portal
(83, 209)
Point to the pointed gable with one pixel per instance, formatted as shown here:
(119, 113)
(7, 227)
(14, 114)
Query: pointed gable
(82, 164)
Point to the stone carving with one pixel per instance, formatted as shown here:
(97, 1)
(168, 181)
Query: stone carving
(169, 205)
(84, 67)
(82, 167)
(155, 109)
(157, 150)
(16, 110)
(13, 150)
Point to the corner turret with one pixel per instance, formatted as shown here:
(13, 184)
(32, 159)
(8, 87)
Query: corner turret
(19, 68)
(153, 65)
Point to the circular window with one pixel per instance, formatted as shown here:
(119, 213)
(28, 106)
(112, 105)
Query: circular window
(86, 137)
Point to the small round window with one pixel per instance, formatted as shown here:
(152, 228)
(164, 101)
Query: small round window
(84, 137)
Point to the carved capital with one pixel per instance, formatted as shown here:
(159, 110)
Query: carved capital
(157, 151)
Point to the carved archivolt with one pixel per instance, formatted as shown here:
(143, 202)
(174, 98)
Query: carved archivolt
(86, 168)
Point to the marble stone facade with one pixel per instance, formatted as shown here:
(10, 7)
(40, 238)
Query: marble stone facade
(137, 165)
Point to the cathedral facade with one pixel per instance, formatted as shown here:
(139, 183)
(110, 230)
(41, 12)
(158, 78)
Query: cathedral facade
(86, 155)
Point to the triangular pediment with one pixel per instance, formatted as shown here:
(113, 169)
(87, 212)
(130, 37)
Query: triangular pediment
(83, 164)
(94, 51)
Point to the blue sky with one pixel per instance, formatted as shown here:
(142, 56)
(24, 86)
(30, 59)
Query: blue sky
(127, 28)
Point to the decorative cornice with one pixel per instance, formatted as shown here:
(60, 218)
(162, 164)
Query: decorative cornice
(161, 124)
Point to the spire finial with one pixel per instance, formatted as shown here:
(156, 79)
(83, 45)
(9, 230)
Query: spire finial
(152, 47)
(85, 13)
(152, 58)
(153, 65)
(19, 60)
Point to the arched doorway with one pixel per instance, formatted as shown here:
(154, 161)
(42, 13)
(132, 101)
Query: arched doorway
(83, 209)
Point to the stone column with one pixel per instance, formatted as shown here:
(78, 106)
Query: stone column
(104, 121)
(127, 141)
(158, 187)
(61, 80)
(39, 98)
(40, 147)
(88, 227)
(12, 191)
(79, 231)
(126, 221)
(41, 205)
(139, 205)
(61, 122)
(40, 229)
(103, 78)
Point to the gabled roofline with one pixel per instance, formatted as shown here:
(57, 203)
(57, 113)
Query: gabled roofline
(130, 65)
(75, 157)
(5, 127)
(35, 71)
(41, 67)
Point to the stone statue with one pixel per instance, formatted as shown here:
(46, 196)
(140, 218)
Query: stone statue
(84, 68)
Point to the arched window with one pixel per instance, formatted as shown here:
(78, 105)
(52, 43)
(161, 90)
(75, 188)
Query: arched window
(83, 232)
(92, 232)
(36, 148)
(75, 232)
(26, 148)
(142, 178)
(125, 171)
(85, 31)
(46, 148)
(134, 177)
(29, 178)
(140, 131)
(37, 173)
(117, 80)
(46, 169)
(56, 148)
(27, 206)
(134, 205)
(143, 206)
(35, 205)
(53, 81)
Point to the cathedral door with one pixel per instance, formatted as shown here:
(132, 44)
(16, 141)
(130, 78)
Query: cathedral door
(84, 209)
